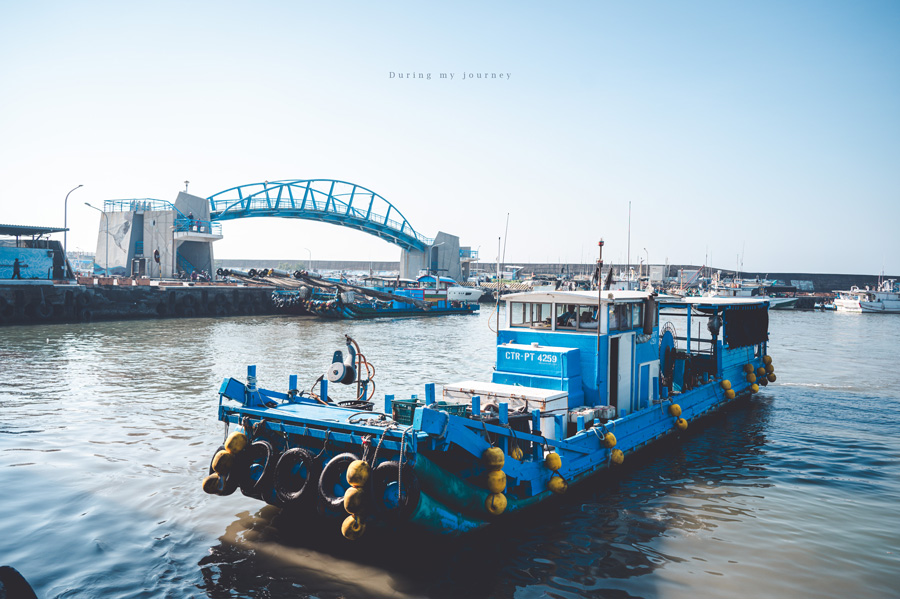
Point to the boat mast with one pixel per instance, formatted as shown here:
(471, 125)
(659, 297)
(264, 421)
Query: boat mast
(498, 288)
(599, 303)
(628, 257)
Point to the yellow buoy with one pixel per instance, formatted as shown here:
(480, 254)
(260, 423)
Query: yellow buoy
(748, 368)
(222, 462)
(767, 360)
(358, 473)
(726, 384)
(754, 388)
(516, 453)
(495, 503)
(751, 378)
(553, 461)
(354, 499)
(729, 394)
(681, 423)
(771, 378)
(352, 528)
(760, 371)
(557, 484)
(493, 458)
(211, 484)
(496, 481)
(236, 442)
(770, 369)
(675, 410)
(617, 456)
(763, 381)
(609, 440)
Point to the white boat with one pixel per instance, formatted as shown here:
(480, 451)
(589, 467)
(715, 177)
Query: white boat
(746, 288)
(885, 299)
(542, 283)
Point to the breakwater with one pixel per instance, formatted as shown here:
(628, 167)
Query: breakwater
(90, 299)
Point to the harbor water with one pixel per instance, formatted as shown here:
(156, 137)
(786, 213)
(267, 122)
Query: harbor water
(107, 429)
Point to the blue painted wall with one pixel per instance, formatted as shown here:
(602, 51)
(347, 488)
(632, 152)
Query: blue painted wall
(34, 263)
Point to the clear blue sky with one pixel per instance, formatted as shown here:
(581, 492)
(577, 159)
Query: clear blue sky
(764, 129)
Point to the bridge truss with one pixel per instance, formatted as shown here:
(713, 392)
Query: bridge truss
(326, 200)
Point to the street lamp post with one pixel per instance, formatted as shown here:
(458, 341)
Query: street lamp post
(309, 266)
(106, 269)
(66, 227)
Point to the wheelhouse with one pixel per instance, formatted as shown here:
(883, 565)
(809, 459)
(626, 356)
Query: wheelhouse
(610, 341)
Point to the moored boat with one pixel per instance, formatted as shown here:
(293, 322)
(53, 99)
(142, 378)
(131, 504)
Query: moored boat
(582, 380)
(426, 296)
(753, 289)
(884, 299)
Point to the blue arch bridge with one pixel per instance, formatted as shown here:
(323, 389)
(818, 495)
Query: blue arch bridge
(132, 226)
(325, 200)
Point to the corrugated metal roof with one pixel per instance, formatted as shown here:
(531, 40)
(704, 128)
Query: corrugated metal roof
(26, 231)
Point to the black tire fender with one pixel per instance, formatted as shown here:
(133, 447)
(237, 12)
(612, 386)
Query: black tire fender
(383, 477)
(332, 474)
(260, 467)
(296, 475)
(44, 310)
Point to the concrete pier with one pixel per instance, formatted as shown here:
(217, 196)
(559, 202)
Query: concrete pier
(32, 302)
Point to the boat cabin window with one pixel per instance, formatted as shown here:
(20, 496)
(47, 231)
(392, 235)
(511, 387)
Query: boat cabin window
(637, 316)
(587, 318)
(624, 317)
(566, 316)
(529, 315)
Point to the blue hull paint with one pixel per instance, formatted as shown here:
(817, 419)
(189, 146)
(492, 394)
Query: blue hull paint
(622, 378)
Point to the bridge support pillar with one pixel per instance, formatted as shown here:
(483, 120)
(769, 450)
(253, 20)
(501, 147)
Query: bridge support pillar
(441, 258)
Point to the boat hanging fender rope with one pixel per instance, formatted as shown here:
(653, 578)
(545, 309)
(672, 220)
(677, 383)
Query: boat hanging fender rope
(486, 433)
(247, 425)
(402, 457)
(284, 435)
(367, 446)
(324, 444)
(377, 447)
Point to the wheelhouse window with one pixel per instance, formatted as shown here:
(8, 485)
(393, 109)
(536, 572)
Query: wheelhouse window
(542, 315)
(620, 317)
(637, 316)
(530, 315)
(566, 316)
(517, 314)
(587, 318)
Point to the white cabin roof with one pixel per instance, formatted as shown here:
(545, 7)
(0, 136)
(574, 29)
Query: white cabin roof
(582, 298)
(590, 298)
(710, 301)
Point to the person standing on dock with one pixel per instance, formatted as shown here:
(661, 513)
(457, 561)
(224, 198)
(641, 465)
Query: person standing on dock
(16, 272)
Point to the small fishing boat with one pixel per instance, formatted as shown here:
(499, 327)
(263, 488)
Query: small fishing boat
(582, 380)
(426, 296)
(755, 288)
(884, 299)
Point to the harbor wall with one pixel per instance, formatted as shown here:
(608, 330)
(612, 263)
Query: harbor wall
(121, 299)
(821, 282)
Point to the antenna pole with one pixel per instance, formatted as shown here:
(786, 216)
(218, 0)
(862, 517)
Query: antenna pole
(498, 288)
(628, 259)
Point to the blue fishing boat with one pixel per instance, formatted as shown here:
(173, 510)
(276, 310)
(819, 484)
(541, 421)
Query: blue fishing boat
(582, 380)
(385, 297)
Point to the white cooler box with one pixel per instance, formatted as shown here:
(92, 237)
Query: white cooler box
(550, 402)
